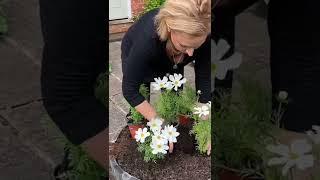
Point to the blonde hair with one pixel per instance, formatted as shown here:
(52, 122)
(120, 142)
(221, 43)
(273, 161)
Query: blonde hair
(183, 16)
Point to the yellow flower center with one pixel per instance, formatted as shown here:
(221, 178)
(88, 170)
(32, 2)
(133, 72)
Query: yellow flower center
(294, 156)
(159, 146)
(142, 135)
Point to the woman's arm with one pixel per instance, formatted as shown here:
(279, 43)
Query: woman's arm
(134, 72)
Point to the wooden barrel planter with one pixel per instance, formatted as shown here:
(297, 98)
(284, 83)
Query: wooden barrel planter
(184, 163)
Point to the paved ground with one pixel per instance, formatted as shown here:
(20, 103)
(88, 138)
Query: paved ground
(29, 147)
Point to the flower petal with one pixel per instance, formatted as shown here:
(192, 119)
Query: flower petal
(300, 146)
(277, 161)
(171, 78)
(280, 149)
(305, 162)
(286, 167)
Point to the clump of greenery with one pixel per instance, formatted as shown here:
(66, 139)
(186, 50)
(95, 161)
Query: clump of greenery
(188, 98)
(101, 88)
(242, 129)
(167, 106)
(146, 150)
(149, 5)
(202, 131)
(152, 4)
(135, 115)
(171, 104)
(81, 166)
(3, 21)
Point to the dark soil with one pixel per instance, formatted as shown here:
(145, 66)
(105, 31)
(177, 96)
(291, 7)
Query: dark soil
(181, 164)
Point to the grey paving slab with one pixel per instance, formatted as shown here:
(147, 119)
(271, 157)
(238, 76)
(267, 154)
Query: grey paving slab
(116, 122)
(24, 26)
(19, 77)
(115, 58)
(121, 102)
(18, 162)
(36, 129)
(114, 86)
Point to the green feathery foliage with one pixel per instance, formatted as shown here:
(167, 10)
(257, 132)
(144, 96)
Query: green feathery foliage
(135, 115)
(3, 20)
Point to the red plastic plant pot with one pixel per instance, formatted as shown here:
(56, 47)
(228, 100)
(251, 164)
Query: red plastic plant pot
(184, 120)
(133, 128)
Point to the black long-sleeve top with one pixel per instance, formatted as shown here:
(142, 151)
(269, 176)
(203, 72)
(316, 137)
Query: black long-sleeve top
(75, 53)
(144, 57)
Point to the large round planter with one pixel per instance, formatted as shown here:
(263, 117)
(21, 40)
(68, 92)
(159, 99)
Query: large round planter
(127, 163)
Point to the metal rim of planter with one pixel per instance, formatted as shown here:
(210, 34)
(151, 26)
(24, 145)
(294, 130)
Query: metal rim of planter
(117, 172)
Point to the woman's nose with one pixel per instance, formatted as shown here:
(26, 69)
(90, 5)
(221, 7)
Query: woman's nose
(190, 51)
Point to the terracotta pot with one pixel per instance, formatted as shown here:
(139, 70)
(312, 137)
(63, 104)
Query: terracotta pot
(229, 175)
(184, 120)
(133, 128)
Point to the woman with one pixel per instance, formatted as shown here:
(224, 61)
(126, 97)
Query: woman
(164, 41)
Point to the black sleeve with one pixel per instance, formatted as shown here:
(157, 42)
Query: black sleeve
(74, 34)
(203, 72)
(135, 65)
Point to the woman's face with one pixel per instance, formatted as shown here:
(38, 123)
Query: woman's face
(186, 43)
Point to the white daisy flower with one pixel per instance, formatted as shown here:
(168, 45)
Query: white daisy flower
(296, 155)
(155, 124)
(283, 95)
(202, 111)
(158, 137)
(209, 104)
(159, 147)
(177, 80)
(170, 133)
(220, 67)
(160, 84)
(141, 135)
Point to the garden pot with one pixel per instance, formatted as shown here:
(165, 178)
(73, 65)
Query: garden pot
(184, 120)
(133, 128)
(127, 163)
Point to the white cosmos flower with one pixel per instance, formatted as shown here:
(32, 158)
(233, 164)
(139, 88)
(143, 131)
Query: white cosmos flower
(160, 84)
(158, 137)
(155, 124)
(177, 81)
(209, 104)
(202, 111)
(296, 155)
(170, 133)
(159, 147)
(314, 134)
(220, 67)
(141, 135)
